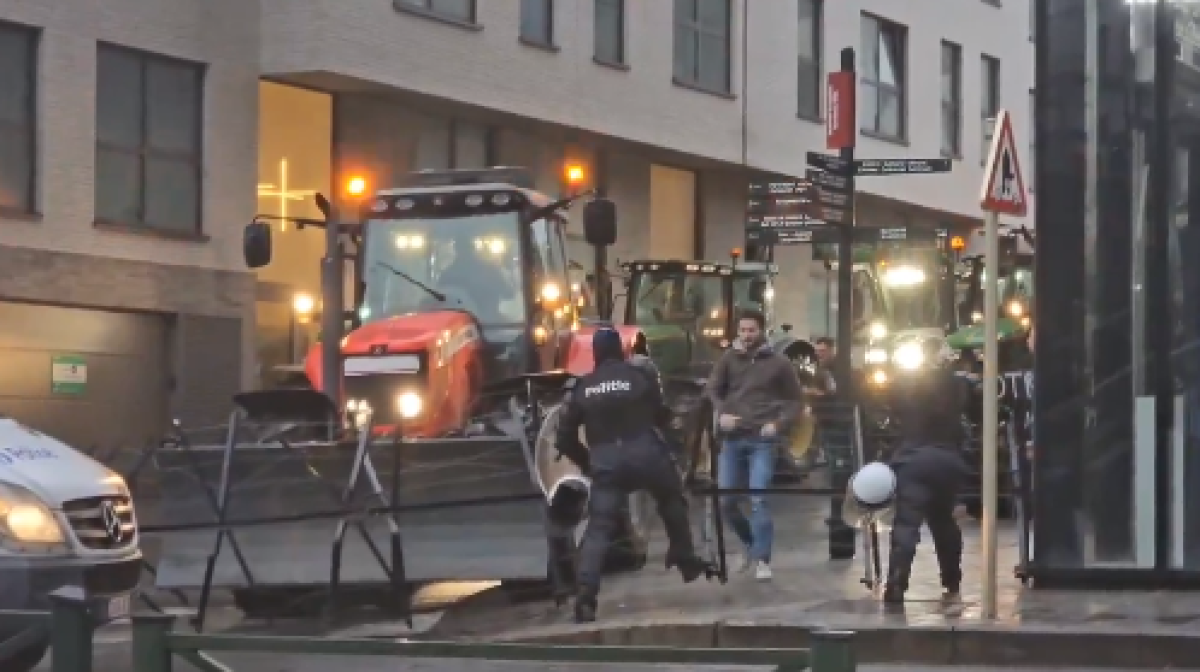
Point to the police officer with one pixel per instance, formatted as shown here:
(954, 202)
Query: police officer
(621, 408)
(927, 406)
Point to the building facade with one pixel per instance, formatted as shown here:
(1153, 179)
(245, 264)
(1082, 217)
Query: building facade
(134, 211)
(1116, 471)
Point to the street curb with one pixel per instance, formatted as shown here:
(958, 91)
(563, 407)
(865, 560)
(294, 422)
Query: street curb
(928, 645)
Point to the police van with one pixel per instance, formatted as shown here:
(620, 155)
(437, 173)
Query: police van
(65, 520)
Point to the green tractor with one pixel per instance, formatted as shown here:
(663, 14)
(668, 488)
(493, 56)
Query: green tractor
(903, 292)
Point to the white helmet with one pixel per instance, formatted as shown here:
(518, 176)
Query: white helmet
(870, 494)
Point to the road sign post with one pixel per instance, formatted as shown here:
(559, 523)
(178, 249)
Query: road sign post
(1003, 192)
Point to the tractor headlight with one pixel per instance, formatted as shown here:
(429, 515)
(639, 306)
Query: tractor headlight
(909, 356)
(26, 523)
(878, 330)
(877, 356)
(879, 377)
(409, 404)
(551, 292)
(1016, 309)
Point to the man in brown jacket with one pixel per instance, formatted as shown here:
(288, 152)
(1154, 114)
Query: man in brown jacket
(756, 396)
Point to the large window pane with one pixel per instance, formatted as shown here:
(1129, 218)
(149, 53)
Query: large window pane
(433, 145)
(172, 107)
(171, 199)
(16, 162)
(120, 98)
(459, 9)
(118, 186)
(686, 53)
(702, 43)
(714, 65)
(18, 125)
(883, 67)
(714, 15)
(16, 74)
(951, 99)
(808, 79)
(470, 145)
(610, 31)
(537, 21)
(148, 109)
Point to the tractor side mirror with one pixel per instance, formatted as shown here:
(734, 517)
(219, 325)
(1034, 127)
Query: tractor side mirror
(600, 222)
(758, 290)
(256, 244)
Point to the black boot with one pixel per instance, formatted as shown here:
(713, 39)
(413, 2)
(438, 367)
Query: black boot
(893, 594)
(691, 567)
(585, 608)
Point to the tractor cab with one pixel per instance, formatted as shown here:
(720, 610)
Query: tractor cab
(687, 310)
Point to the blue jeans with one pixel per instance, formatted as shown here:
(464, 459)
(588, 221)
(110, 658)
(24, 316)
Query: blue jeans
(749, 463)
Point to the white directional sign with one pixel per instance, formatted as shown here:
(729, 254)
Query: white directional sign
(1003, 189)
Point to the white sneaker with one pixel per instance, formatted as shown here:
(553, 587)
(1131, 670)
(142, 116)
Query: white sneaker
(762, 571)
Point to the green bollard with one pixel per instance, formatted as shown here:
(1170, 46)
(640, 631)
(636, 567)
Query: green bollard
(151, 648)
(71, 628)
(832, 651)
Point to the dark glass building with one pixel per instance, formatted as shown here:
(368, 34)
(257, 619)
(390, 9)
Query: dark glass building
(1117, 408)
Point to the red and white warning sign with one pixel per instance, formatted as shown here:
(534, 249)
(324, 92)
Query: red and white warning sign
(1003, 187)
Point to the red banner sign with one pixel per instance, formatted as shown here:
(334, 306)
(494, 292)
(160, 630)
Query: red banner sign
(839, 111)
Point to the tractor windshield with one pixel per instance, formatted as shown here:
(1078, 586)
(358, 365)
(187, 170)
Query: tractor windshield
(913, 290)
(471, 263)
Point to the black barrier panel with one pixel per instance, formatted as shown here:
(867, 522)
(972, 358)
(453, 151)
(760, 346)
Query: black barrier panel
(504, 538)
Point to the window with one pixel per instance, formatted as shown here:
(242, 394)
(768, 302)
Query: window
(610, 31)
(809, 63)
(18, 122)
(148, 137)
(444, 144)
(702, 49)
(989, 99)
(458, 10)
(537, 21)
(951, 99)
(882, 98)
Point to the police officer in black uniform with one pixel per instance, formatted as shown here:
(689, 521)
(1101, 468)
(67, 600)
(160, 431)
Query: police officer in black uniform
(927, 406)
(621, 408)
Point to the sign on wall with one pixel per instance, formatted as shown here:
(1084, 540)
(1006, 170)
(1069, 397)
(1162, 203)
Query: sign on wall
(68, 374)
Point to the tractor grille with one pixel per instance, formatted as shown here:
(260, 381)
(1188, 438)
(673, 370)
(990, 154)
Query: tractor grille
(380, 391)
(102, 523)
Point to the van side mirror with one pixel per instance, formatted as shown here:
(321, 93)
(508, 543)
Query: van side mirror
(256, 244)
(600, 222)
(758, 290)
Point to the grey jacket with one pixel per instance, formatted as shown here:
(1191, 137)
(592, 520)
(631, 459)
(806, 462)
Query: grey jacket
(758, 386)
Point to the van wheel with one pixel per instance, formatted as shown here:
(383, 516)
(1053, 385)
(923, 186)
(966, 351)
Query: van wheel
(25, 659)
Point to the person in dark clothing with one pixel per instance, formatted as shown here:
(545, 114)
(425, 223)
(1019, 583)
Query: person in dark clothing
(927, 406)
(620, 406)
(476, 278)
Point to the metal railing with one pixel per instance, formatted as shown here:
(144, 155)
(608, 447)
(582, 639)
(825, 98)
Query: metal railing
(71, 622)
(156, 646)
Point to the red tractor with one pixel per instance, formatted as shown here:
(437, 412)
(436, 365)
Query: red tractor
(461, 329)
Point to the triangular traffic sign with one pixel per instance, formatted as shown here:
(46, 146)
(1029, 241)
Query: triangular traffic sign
(1003, 189)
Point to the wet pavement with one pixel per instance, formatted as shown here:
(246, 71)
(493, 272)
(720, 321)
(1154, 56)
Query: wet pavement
(811, 592)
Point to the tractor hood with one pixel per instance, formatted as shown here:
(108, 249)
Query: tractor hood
(405, 333)
(972, 337)
(414, 333)
(50, 469)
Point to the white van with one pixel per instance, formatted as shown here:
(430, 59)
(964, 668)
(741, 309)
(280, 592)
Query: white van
(65, 519)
